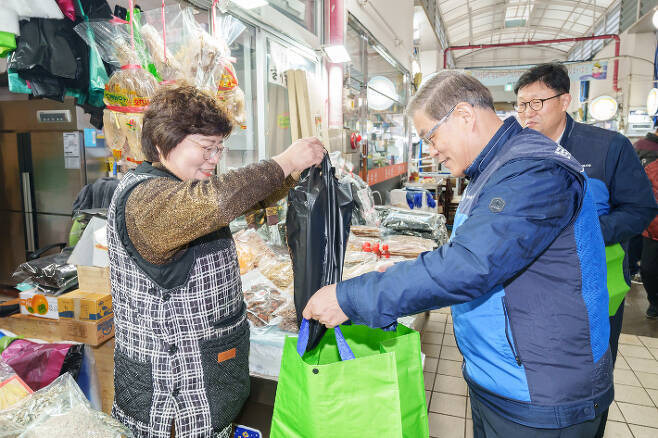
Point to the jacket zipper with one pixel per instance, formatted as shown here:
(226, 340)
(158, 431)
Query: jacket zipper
(512, 345)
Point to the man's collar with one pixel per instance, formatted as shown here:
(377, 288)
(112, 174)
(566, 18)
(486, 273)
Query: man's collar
(510, 127)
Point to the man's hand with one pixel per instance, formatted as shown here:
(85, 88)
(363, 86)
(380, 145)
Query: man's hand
(323, 306)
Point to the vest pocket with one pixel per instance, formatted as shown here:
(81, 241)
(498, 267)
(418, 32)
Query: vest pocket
(133, 386)
(225, 362)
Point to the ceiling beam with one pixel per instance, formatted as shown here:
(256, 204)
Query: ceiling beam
(512, 30)
(536, 48)
(503, 4)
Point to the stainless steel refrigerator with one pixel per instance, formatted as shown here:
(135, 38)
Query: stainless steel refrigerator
(44, 165)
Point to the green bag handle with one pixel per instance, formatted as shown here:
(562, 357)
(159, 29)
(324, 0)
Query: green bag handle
(617, 286)
(343, 349)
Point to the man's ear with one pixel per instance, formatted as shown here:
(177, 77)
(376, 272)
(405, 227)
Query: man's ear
(466, 112)
(565, 101)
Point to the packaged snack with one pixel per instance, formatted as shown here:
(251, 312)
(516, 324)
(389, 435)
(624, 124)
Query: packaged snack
(263, 299)
(288, 315)
(12, 387)
(56, 411)
(250, 246)
(408, 246)
(129, 89)
(277, 269)
(366, 231)
(360, 243)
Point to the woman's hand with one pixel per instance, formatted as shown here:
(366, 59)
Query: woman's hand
(303, 153)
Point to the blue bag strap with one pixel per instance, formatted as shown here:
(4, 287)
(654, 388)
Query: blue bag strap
(343, 349)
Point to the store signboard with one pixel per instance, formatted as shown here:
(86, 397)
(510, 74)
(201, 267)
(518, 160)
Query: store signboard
(380, 174)
(577, 72)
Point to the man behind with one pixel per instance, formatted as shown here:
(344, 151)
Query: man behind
(524, 272)
(622, 191)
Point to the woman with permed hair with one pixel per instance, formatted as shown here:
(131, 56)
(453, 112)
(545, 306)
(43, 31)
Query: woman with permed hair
(181, 360)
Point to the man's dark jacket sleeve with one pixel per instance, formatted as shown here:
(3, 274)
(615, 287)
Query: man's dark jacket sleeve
(632, 204)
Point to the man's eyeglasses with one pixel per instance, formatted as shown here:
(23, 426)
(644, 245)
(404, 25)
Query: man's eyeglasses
(534, 104)
(210, 152)
(428, 137)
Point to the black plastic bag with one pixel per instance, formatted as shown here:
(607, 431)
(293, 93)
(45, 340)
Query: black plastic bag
(318, 225)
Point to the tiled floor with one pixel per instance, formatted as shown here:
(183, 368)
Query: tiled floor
(633, 414)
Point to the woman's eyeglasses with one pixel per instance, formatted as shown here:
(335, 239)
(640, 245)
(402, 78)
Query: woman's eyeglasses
(210, 152)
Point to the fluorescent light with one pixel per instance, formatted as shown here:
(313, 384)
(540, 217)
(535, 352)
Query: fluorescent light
(652, 101)
(603, 108)
(654, 19)
(337, 54)
(250, 4)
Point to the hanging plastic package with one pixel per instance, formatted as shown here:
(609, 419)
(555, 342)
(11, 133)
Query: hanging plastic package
(129, 90)
(163, 33)
(97, 73)
(227, 29)
(208, 64)
(318, 224)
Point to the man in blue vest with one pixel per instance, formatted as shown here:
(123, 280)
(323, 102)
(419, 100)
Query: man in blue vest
(524, 272)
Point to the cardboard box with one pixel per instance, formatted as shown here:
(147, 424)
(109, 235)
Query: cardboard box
(94, 279)
(84, 306)
(33, 302)
(90, 332)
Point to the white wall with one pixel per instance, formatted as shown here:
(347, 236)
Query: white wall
(429, 61)
(399, 14)
(635, 75)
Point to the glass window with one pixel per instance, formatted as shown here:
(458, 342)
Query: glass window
(301, 11)
(281, 59)
(387, 97)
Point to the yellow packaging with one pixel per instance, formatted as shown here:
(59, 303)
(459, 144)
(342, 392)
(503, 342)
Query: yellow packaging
(84, 306)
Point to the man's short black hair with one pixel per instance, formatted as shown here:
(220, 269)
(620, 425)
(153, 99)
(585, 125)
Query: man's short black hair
(554, 76)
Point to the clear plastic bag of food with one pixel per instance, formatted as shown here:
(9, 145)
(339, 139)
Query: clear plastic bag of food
(353, 258)
(407, 246)
(360, 243)
(250, 246)
(366, 231)
(370, 266)
(59, 410)
(207, 62)
(130, 87)
(417, 223)
(263, 299)
(123, 131)
(12, 387)
(288, 318)
(164, 31)
(277, 269)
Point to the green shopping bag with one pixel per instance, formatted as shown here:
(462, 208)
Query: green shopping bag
(617, 286)
(329, 393)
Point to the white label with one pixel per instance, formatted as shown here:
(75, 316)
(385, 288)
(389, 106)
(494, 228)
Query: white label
(71, 162)
(72, 145)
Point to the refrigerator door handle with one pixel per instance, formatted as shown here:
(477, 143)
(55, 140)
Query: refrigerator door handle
(27, 205)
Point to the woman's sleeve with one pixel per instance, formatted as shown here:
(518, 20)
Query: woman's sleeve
(164, 215)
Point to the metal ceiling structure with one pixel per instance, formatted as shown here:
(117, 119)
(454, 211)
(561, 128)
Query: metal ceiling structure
(486, 22)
